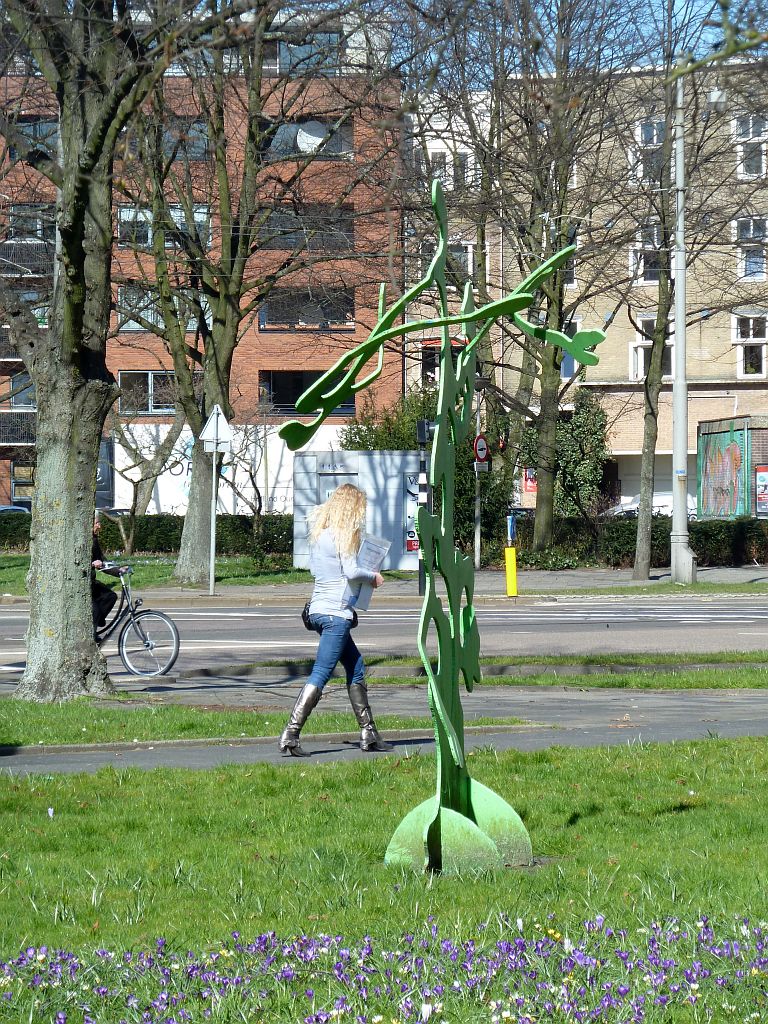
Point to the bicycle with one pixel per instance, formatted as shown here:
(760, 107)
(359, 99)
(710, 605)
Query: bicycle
(148, 643)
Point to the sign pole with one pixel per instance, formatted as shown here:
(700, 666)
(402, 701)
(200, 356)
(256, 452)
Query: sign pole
(214, 490)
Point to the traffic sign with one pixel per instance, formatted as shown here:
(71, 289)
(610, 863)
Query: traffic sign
(217, 434)
(481, 448)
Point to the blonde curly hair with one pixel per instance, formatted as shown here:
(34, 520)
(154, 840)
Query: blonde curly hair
(344, 515)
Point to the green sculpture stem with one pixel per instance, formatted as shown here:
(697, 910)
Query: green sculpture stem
(466, 825)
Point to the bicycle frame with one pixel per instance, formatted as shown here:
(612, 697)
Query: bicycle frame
(126, 608)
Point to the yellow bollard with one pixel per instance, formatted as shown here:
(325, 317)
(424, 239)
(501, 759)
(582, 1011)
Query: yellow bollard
(510, 563)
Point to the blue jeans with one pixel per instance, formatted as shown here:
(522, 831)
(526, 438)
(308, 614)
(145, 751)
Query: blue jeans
(336, 645)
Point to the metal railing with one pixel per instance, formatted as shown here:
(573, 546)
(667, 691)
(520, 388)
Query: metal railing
(17, 427)
(8, 350)
(33, 258)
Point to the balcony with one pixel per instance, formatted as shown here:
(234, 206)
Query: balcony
(8, 351)
(26, 258)
(17, 427)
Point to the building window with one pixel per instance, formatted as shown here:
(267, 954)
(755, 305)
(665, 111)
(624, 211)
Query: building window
(30, 221)
(141, 301)
(197, 231)
(460, 171)
(647, 256)
(751, 134)
(147, 392)
(185, 138)
(460, 262)
(285, 387)
(750, 343)
(316, 227)
(307, 308)
(640, 357)
(569, 270)
(568, 365)
(22, 391)
(648, 159)
(308, 52)
(39, 132)
(430, 360)
(751, 240)
(450, 169)
(22, 483)
(135, 227)
(28, 249)
(310, 137)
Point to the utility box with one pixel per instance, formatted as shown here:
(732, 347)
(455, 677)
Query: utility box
(389, 478)
(732, 467)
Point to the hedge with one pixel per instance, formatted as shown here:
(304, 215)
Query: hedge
(716, 542)
(162, 534)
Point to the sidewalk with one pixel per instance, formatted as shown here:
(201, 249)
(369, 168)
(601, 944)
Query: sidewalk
(490, 585)
(555, 716)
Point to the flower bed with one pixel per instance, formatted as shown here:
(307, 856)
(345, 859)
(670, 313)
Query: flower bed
(526, 974)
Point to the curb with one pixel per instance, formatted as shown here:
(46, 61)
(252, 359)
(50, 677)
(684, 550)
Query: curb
(299, 670)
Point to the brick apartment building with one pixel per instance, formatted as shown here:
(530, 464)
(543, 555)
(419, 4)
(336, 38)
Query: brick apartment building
(613, 282)
(328, 231)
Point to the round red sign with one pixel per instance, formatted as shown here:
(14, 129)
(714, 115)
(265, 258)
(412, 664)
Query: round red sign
(481, 448)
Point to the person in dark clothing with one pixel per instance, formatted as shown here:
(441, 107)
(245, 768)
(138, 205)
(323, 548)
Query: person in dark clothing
(103, 596)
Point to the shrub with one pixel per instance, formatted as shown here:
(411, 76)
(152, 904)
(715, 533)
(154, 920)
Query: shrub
(14, 531)
(277, 533)
(617, 537)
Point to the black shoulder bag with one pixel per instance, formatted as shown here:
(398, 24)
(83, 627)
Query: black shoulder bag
(308, 625)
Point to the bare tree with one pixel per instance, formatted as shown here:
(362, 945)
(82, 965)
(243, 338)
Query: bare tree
(528, 90)
(89, 66)
(270, 225)
(143, 451)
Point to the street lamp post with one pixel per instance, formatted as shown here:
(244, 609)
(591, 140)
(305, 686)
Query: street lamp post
(683, 559)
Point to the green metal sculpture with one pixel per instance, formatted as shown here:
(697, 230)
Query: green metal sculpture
(466, 826)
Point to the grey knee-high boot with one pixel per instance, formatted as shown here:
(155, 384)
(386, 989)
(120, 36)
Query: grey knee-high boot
(305, 702)
(369, 734)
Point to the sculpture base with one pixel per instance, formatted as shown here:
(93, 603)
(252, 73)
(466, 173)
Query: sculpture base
(497, 838)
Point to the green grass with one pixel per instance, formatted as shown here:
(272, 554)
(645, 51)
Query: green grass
(597, 660)
(664, 588)
(634, 832)
(699, 679)
(82, 721)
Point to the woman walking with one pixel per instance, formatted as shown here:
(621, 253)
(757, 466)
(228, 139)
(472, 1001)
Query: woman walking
(334, 539)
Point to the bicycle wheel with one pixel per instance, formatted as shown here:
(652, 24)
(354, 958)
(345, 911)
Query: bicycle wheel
(149, 644)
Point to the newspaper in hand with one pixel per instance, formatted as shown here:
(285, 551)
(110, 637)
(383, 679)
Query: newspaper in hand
(371, 555)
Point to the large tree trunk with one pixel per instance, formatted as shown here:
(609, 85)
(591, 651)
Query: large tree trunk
(546, 464)
(193, 563)
(63, 660)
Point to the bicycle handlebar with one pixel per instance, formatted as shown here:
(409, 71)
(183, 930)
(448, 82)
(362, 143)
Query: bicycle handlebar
(115, 569)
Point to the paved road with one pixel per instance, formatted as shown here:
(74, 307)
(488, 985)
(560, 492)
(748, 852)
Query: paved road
(219, 637)
(259, 625)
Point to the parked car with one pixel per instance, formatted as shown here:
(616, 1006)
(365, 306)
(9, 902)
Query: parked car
(521, 512)
(14, 508)
(662, 506)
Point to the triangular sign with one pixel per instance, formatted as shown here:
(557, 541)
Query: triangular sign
(216, 428)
